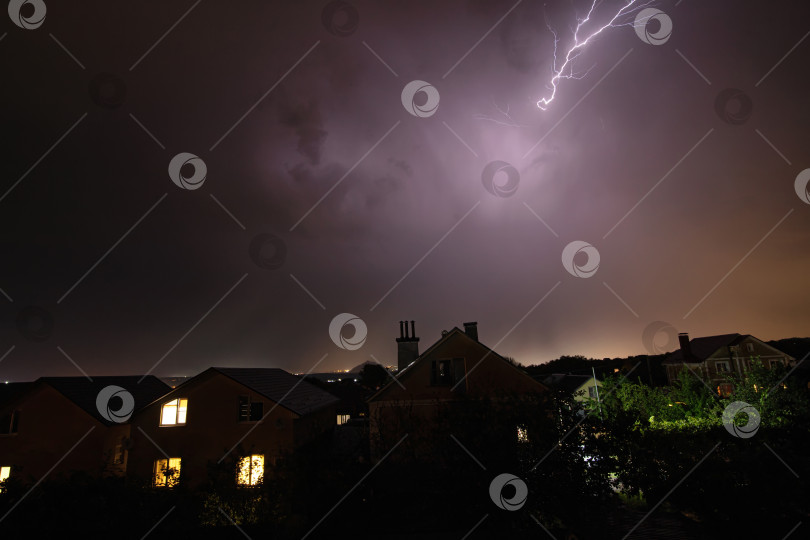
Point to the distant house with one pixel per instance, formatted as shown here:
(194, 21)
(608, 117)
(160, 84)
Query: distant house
(456, 367)
(582, 387)
(714, 357)
(54, 426)
(247, 416)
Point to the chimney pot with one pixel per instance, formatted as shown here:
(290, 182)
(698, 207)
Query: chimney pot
(407, 345)
(686, 351)
(471, 329)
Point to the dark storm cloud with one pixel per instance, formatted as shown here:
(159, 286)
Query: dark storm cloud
(303, 116)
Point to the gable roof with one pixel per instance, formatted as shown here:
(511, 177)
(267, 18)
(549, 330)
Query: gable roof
(703, 347)
(288, 390)
(83, 392)
(568, 381)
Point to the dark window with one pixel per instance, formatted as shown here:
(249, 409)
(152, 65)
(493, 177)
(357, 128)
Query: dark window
(250, 411)
(9, 423)
(446, 372)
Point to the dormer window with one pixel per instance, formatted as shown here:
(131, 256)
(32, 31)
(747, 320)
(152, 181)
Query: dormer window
(173, 413)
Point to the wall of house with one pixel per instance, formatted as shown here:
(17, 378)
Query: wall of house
(49, 426)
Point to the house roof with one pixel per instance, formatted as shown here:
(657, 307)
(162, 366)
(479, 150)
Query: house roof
(288, 390)
(567, 381)
(703, 347)
(9, 391)
(83, 392)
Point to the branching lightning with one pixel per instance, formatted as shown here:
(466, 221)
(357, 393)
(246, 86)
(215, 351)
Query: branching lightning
(565, 69)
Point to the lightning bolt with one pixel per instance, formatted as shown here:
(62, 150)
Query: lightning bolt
(566, 68)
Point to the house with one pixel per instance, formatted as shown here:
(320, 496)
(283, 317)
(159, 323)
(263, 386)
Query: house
(713, 358)
(582, 387)
(54, 426)
(453, 370)
(243, 417)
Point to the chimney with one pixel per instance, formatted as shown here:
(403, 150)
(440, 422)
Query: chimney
(407, 345)
(471, 329)
(686, 351)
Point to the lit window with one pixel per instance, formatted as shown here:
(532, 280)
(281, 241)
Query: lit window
(522, 434)
(174, 412)
(342, 419)
(167, 472)
(5, 472)
(250, 411)
(251, 470)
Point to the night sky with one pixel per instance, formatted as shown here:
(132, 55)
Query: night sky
(323, 195)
